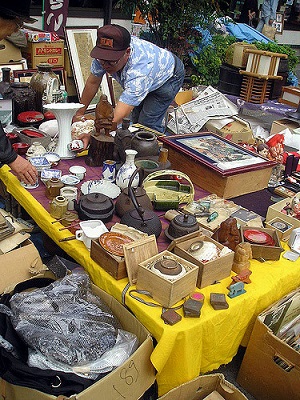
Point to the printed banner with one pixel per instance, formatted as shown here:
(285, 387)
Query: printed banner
(55, 16)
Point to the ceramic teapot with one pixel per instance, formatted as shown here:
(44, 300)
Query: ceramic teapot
(124, 203)
(95, 206)
(144, 220)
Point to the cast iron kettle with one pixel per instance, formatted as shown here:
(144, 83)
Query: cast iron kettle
(95, 206)
(181, 225)
(144, 220)
(124, 203)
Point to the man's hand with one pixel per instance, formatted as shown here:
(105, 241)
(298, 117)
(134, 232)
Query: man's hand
(24, 170)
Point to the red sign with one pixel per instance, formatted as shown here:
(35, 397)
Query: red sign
(55, 16)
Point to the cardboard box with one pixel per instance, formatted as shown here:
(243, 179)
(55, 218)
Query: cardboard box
(282, 228)
(164, 291)
(209, 272)
(282, 124)
(236, 55)
(137, 369)
(275, 210)
(112, 264)
(52, 53)
(260, 251)
(270, 369)
(235, 129)
(24, 263)
(203, 386)
(10, 52)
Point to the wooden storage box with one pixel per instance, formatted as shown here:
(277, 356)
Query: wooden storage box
(236, 54)
(112, 264)
(186, 154)
(290, 96)
(282, 228)
(209, 272)
(260, 251)
(275, 210)
(164, 291)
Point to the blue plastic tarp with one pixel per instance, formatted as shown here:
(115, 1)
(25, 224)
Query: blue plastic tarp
(245, 33)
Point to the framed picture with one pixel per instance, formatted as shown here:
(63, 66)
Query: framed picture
(26, 74)
(80, 42)
(278, 23)
(217, 153)
(20, 65)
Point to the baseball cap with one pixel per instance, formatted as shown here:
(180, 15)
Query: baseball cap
(16, 9)
(112, 42)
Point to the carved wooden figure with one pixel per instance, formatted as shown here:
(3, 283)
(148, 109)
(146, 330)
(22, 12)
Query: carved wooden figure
(242, 255)
(104, 115)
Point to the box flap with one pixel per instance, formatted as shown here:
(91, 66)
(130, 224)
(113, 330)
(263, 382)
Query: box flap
(136, 252)
(18, 265)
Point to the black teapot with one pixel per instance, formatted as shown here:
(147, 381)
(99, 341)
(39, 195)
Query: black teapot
(124, 203)
(95, 206)
(181, 225)
(144, 220)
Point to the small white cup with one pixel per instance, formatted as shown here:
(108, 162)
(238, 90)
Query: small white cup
(78, 171)
(90, 229)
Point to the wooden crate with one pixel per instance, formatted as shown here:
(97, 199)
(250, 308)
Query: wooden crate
(263, 63)
(255, 90)
(290, 96)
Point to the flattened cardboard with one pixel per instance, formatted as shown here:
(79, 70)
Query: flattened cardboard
(202, 386)
(136, 252)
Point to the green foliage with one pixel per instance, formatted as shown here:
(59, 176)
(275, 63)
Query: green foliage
(171, 21)
(283, 49)
(207, 63)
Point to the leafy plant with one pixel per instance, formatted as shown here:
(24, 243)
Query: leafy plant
(283, 49)
(208, 61)
(171, 22)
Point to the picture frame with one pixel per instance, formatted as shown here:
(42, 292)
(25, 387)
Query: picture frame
(219, 154)
(19, 65)
(25, 75)
(279, 22)
(80, 42)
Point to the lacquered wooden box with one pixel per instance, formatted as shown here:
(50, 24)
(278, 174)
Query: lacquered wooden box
(217, 164)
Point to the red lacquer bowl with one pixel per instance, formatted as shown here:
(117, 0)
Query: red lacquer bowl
(21, 148)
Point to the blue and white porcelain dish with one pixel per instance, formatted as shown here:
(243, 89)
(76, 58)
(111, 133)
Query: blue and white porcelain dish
(101, 186)
(70, 180)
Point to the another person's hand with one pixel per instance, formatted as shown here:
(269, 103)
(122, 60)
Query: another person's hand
(85, 137)
(78, 117)
(24, 170)
(271, 22)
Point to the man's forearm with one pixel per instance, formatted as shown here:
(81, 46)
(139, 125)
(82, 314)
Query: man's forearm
(89, 92)
(121, 111)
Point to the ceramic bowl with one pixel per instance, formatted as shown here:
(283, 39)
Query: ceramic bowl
(53, 158)
(21, 148)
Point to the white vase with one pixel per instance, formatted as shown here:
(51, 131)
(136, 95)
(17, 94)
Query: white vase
(127, 169)
(64, 113)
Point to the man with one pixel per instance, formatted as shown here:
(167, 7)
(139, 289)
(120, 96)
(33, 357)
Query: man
(13, 14)
(150, 76)
(268, 13)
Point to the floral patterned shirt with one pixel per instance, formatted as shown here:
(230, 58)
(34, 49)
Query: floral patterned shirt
(147, 68)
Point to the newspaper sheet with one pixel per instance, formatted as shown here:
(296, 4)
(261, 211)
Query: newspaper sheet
(192, 116)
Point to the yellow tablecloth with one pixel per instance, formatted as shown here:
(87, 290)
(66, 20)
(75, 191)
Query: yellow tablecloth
(194, 345)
